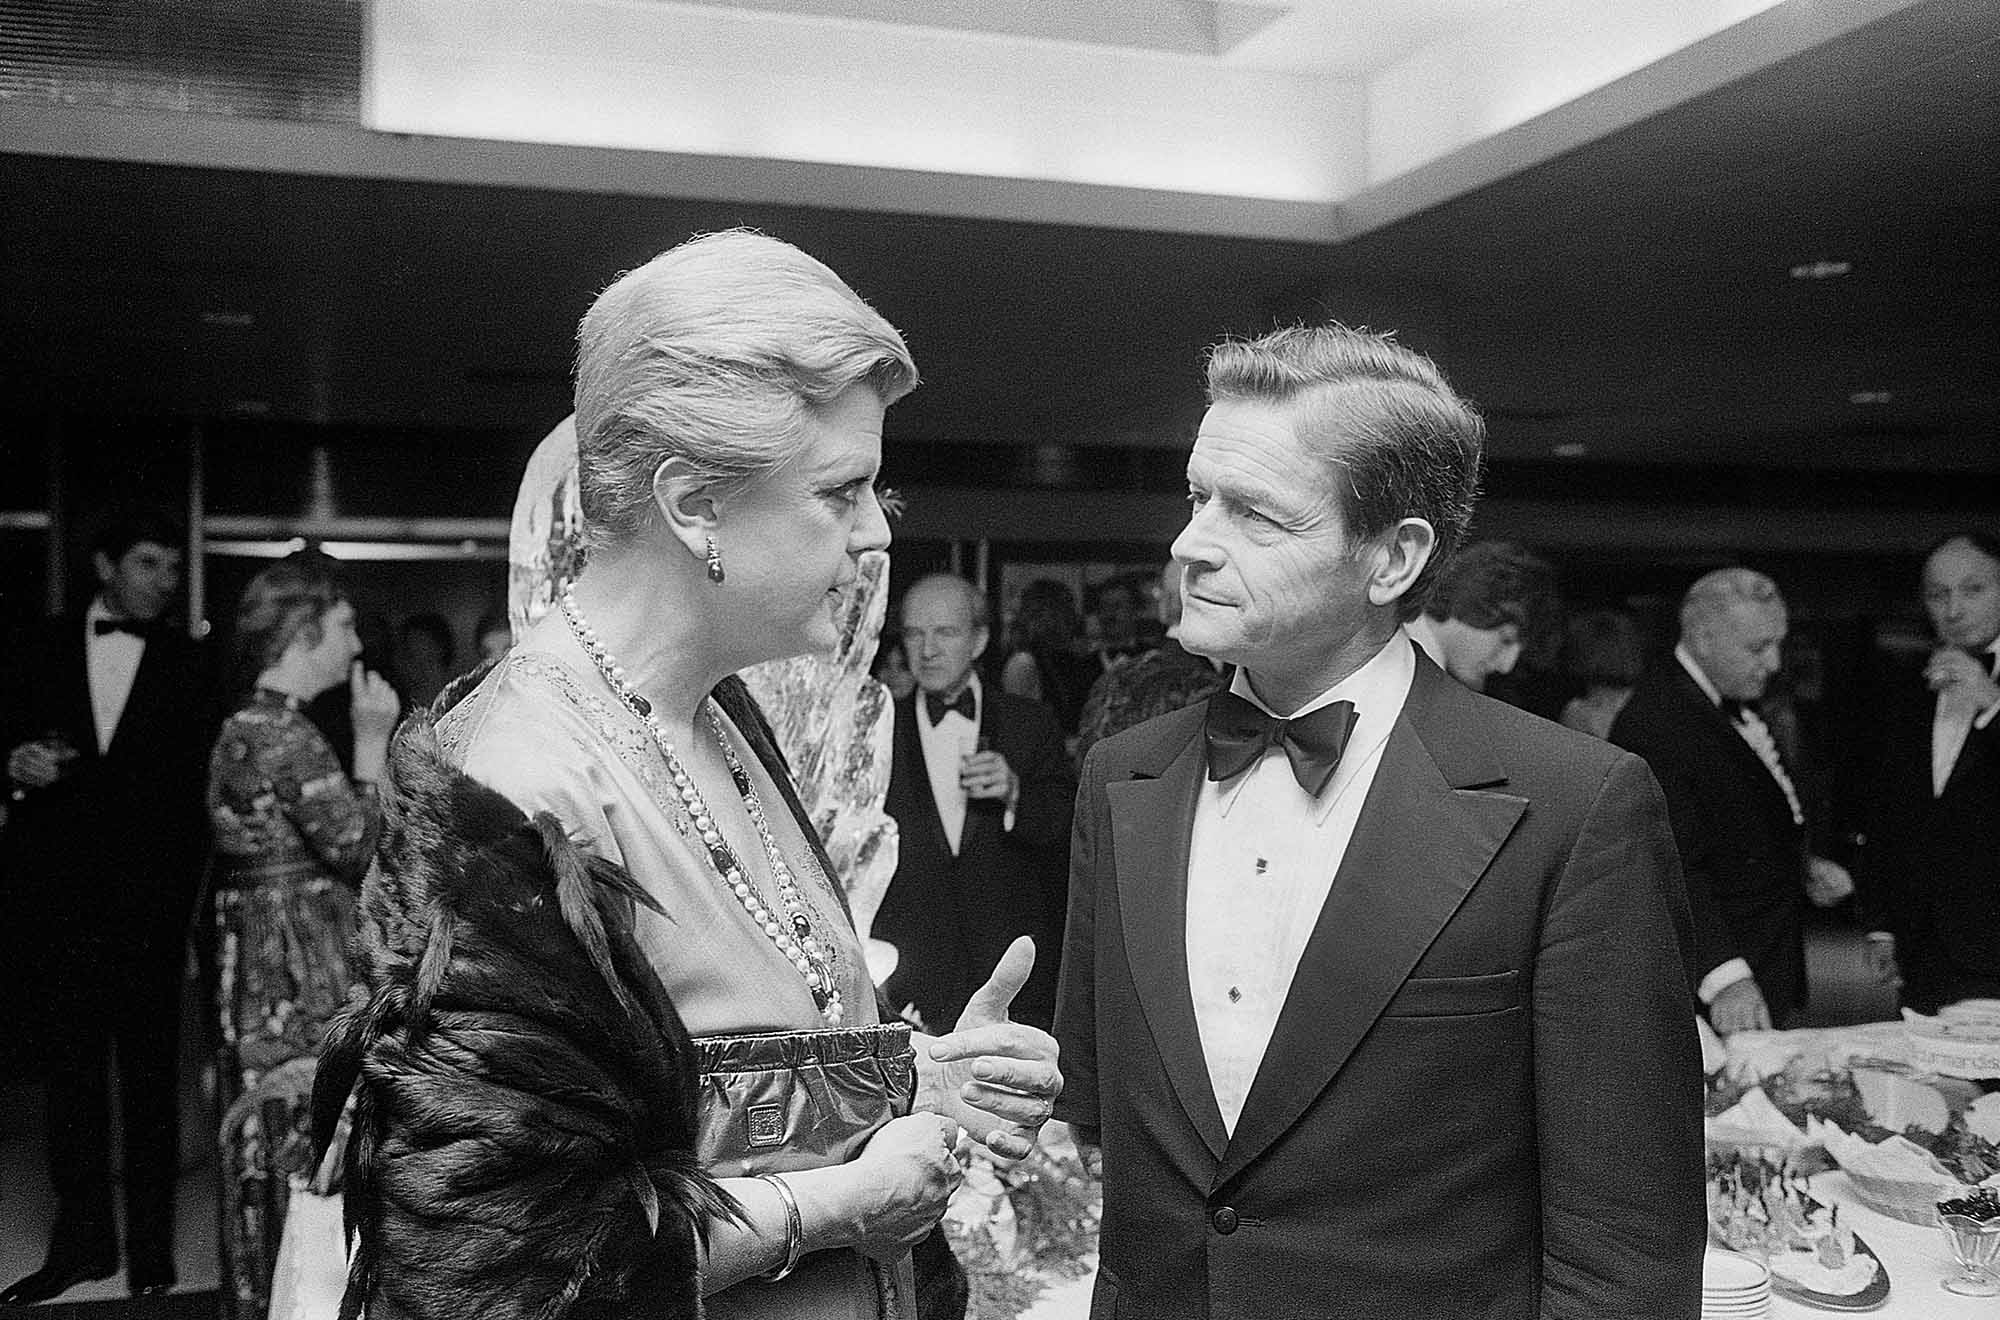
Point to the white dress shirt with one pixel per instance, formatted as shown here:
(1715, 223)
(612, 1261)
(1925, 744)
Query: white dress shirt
(946, 744)
(113, 662)
(1953, 724)
(1261, 861)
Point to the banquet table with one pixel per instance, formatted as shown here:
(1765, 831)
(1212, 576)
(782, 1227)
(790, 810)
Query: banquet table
(1916, 1257)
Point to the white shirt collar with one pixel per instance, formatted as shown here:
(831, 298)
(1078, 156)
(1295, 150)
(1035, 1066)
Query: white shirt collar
(1423, 631)
(1701, 680)
(1377, 689)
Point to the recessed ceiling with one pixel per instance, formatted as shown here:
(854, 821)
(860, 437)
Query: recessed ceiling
(1633, 295)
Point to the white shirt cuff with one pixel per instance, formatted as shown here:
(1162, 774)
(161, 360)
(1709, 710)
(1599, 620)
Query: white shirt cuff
(1721, 977)
(1985, 717)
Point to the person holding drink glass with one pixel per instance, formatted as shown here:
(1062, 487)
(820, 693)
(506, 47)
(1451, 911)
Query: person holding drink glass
(104, 726)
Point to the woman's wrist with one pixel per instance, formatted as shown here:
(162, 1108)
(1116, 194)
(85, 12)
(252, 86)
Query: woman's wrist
(794, 1229)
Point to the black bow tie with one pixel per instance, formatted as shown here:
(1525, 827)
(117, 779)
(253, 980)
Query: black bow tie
(140, 630)
(1239, 732)
(936, 706)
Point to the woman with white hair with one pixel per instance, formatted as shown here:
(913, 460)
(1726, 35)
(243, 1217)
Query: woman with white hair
(597, 884)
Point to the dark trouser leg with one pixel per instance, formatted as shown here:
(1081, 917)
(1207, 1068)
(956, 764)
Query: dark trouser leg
(149, 1091)
(79, 1116)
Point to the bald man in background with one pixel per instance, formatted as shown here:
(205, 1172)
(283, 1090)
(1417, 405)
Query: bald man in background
(1735, 809)
(982, 792)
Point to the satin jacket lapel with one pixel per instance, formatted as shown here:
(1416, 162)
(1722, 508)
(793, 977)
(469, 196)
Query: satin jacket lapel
(910, 748)
(1151, 819)
(79, 717)
(151, 686)
(1722, 731)
(1423, 839)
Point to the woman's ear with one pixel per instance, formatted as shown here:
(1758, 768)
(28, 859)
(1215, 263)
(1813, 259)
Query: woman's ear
(688, 503)
(1398, 559)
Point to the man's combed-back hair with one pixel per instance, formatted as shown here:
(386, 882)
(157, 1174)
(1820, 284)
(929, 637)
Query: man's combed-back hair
(718, 352)
(1405, 445)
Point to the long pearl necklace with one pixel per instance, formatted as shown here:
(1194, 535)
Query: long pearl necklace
(791, 931)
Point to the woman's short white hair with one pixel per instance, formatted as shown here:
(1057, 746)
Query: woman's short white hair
(717, 352)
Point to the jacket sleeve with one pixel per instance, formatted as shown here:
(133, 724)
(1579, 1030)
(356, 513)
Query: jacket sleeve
(1048, 786)
(1076, 995)
(1618, 1085)
(1693, 838)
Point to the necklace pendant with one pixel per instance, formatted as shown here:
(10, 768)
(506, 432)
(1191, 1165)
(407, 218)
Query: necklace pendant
(801, 925)
(821, 998)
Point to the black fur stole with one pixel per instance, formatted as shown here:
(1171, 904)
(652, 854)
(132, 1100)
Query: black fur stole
(527, 1096)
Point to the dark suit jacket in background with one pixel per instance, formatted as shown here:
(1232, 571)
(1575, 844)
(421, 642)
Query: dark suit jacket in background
(951, 918)
(1483, 1095)
(101, 869)
(1743, 858)
(1930, 869)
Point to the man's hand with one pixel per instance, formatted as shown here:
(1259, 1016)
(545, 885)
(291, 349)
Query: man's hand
(1881, 953)
(987, 776)
(1827, 882)
(994, 1077)
(1961, 679)
(1740, 1006)
(33, 765)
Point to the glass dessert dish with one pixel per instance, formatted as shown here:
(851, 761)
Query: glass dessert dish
(1971, 1224)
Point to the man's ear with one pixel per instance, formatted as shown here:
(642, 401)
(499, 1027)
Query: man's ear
(106, 570)
(980, 636)
(1397, 560)
(688, 502)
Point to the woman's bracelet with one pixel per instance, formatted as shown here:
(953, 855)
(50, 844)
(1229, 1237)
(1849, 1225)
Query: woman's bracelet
(795, 1231)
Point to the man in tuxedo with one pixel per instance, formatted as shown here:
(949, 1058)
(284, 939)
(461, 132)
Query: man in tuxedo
(981, 792)
(106, 734)
(1932, 859)
(1374, 992)
(1736, 811)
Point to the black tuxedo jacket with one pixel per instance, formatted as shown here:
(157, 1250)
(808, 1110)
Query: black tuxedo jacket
(951, 918)
(1930, 870)
(1744, 859)
(1483, 1095)
(109, 858)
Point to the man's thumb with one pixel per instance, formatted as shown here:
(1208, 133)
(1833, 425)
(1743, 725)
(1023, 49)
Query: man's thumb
(992, 1000)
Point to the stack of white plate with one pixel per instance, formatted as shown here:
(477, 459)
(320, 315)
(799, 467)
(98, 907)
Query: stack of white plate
(1734, 1287)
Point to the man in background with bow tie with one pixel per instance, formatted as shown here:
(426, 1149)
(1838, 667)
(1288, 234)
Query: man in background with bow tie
(1737, 816)
(1932, 858)
(981, 792)
(1374, 991)
(106, 728)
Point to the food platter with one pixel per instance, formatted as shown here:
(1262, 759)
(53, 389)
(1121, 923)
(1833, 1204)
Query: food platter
(1868, 1298)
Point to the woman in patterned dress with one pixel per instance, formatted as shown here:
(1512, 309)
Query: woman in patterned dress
(293, 837)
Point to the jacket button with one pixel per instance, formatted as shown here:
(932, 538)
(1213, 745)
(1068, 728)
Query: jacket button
(1224, 1221)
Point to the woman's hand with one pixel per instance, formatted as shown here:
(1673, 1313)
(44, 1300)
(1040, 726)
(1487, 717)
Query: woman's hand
(374, 706)
(903, 1180)
(994, 1077)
